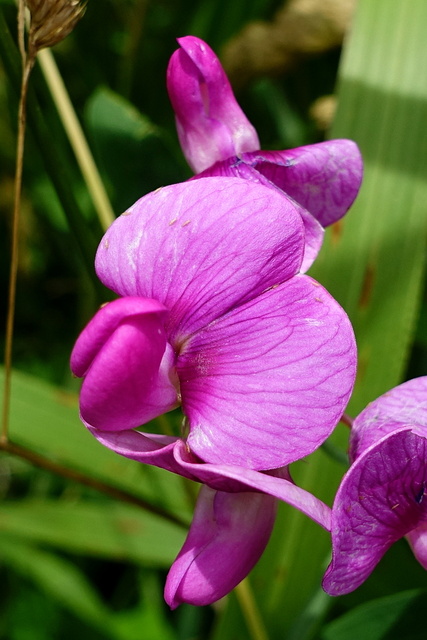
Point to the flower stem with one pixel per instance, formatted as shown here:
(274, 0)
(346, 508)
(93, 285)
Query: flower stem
(77, 476)
(85, 238)
(250, 611)
(27, 65)
(347, 420)
(77, 138)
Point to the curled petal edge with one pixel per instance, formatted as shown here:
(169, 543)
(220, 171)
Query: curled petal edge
(127, 365)
(173, 455)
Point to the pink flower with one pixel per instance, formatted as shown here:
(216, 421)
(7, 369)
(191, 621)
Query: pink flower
(211, 125)
(382, 496)
(215, 315)
(233, 519)
(217, 139)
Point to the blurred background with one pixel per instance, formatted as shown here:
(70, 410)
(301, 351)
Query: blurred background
(75, 562)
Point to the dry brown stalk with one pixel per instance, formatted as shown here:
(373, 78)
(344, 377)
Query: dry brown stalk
(50, 22)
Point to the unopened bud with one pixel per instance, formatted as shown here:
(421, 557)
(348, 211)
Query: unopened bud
(52, 21)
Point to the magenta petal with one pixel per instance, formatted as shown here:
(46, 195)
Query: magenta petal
(267, 383)
(380, 500)
(102, 327)
(418, 542)
(235, 167)
(314, 233)
(404, 405)
(324, 178)
(276, 483)
(148, 448)
(172, 454)
(201, 248)
(127, 365)
(228, 534)
(211, 125)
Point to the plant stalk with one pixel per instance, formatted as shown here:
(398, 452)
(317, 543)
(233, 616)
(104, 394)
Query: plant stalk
(77, 138)
(77, 476)
(27, 65)
(250, 611)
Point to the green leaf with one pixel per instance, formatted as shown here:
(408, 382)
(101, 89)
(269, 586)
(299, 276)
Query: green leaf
(28, 614)
(373, 262)
(55, 156)
(62, 582)
(146, 621)
(395, 617)
(104, 529)
(57, 577)
(132, 151)
(45, 420)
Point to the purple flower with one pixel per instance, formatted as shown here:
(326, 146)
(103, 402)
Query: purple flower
(233, 519)
(211, 126)
(217, 139)
(215, 315)
(382, 496)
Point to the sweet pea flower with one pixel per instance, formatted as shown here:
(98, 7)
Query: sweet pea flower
(214, 315)
(217, 139)
(382, 496)
(233, 519)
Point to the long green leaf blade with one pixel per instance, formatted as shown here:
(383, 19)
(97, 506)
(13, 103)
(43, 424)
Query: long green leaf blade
(373, 262)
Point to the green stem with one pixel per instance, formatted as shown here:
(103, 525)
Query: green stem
(55, 162)
(335, 453)
(250, 611)
(77, 138)
(76, 476)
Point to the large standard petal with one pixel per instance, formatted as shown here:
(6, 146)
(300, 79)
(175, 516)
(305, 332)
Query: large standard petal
(380, 500)
(202, 248)
(236, 167)
(211, 126)
(127, 365)
(266, 384)
(324, 178)
(405, 405)
(228, 534)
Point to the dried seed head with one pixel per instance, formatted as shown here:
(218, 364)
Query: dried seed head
(52, 21)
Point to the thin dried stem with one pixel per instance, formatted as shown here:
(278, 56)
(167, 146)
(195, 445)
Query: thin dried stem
(27, 65)
(88, 481)
(347, 420)
(51, 21)
(21, 30)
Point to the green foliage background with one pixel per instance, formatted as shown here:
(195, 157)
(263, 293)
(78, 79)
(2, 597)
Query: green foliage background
(75, 562)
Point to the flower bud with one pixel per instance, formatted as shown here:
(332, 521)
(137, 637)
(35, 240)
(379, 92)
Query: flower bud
(52, 21)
